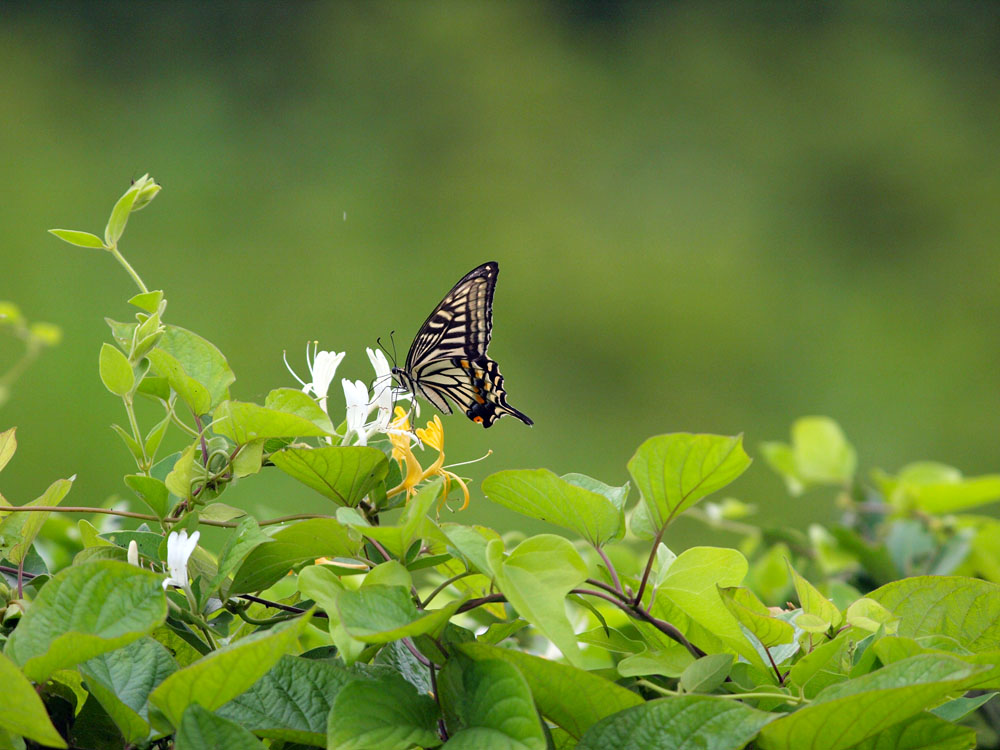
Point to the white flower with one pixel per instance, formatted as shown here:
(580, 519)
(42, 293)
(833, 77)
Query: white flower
(179, 549)
(384, 397)
(133, 553)
(358, 408)
(322, 367)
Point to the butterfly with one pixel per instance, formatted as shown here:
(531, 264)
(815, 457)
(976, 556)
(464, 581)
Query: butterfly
(447, 359)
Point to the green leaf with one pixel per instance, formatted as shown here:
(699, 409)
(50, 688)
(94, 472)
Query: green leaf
(121, 680)
(863, 707)
(296, 543)
(217, 678)
(379, 614)
(116, 372)
(572, 698)
(246, 537)
(250, 458)
(958, 708)
(755, 617)
(825, 665)
(84, 611)
(673, 472)
(491, 705)
(178, 481)
(689, 592)
(22, 711)
(541, 494)
(193, 366)
(688, 721)
(319, 583)
(966, 609)
(535, 578)
(387, 714)
(151, 491)
(922, 732)
(294, 401)
(813, 602)
(202, 730)
(18, 530)
(243, 422)
(937, 488)
(342, 474)
(80, 239)
(8, 444)
(819, 454)
(148, 301)
(706, 674)
(413, 524)
(119, 217)
(291, 702)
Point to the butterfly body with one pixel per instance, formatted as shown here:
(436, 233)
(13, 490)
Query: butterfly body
(448, 360)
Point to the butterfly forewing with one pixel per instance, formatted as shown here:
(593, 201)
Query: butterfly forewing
(448, 360)
(461, 323)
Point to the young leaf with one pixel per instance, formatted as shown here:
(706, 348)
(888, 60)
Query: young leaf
(80, 239)
(84, 611)
(199, 361)
(342, 474)
(148, 301)
(151, 491)
(202, 730)
(491, 705)
(322, 585)
(685, 721)
(220, 676)
(673, 472)
(379, 614)
(535, 578)
(8, 444)
(116, 372)
(387, 713)
(291, 702)
(119, 217)
(813, 602)
(755, 617)
(541, 494)
(572, 698)
(22, 711)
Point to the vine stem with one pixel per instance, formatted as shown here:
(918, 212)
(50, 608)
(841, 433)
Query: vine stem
(128, 267)
(149, 516)
(611, 568)
(649, 565)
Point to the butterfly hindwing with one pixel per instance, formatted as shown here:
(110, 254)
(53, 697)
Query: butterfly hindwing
(448, 360)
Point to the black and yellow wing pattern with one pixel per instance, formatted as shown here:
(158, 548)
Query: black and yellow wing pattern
(448, 360)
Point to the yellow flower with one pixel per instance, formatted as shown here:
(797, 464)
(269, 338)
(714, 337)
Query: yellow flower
(432, 435)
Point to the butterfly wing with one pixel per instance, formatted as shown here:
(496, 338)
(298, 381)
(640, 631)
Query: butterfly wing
(462, 322)
(448, 360)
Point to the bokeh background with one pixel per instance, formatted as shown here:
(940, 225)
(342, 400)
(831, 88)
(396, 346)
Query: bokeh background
(708, 217)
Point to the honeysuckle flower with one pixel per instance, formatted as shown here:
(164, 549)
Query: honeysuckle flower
(384, 394)
(322, 367)
(358, 408)
(133, 553)
(179, 549)
(402, 452)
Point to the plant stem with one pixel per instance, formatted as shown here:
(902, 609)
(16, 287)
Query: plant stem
(611, 569)
(443, 586)
(649, 565)
(149, 516)
(125, 264)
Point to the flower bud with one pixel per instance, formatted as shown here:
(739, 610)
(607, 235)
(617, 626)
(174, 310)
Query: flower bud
(146, 189)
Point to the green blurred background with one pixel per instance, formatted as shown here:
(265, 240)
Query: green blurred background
(708, 218)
